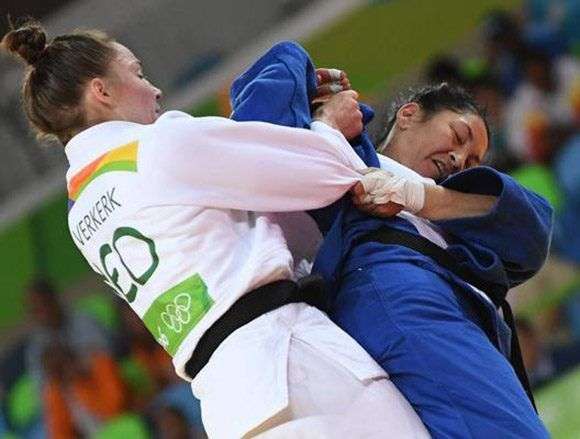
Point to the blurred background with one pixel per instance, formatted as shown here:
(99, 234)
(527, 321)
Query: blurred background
(75, 362)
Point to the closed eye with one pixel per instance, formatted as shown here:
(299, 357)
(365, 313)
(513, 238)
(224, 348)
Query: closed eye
(456, 135)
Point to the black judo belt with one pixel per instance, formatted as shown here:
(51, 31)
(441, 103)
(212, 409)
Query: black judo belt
(250, 306)
(496, 293)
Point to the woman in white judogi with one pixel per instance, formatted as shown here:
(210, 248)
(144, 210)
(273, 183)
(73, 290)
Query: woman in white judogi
(173, 212)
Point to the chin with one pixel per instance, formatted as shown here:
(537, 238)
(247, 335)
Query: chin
(149, 119)
(426, 170)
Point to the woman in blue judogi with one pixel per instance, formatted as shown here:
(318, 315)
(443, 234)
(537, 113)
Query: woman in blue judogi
(422, 296)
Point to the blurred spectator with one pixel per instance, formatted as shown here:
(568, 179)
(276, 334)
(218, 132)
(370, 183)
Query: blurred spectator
(12, 365)
(566, 241)
(80, 392)
(3, 426)
(180, 397)
(544, 107)
(20, 403)
(444, 68)
(543, 362)
(149, 373)
(544, 39)
(147, 367)
(171, 423)
(567, 170)
(560, 17)
(503, 47)
(487, 93)
(53, 322)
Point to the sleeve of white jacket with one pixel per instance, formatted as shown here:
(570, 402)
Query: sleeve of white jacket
(388, 164)
(254, 166)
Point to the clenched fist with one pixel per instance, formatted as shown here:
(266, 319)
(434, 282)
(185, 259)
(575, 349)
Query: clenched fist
(362, 201)
(341, 111)
(328, 83)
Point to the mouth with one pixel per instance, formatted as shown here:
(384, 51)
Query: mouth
(440, 169)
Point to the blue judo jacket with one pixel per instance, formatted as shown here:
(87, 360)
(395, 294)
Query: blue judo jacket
(506, 247)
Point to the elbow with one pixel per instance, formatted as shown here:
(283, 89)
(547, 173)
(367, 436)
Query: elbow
(538, 247)
(546, 227)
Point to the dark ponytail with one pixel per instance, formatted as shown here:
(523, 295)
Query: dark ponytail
(433, 99)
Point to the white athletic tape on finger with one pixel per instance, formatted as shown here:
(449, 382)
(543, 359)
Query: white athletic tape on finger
(382, 186)
(335, 88)
(334, 74)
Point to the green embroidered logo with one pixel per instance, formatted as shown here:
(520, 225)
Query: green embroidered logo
(175, 313)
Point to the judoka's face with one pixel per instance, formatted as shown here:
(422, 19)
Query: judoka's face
(125, 93)
(438, 146)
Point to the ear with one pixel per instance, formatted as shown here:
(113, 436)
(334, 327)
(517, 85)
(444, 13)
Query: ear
(99, 91)
(407, 114)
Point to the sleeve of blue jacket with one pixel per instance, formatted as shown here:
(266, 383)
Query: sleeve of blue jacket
(518, 229)
(277, 88)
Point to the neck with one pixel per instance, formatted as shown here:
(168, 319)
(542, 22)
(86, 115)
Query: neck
(82, 127)
(387, 147)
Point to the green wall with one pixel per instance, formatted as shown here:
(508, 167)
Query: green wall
(38, 244)
(387, 38)
(16, 267)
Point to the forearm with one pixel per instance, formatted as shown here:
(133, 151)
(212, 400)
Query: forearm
(445, 204)
(518, 227)
(254, 166)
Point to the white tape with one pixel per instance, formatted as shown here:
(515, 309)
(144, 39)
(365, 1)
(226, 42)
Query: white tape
(382, 186)
(334, 74)
(335, 88)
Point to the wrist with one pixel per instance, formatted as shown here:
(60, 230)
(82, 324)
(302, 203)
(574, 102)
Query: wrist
(326, 121)
(321, 115)
(434, 198)
(382, 187)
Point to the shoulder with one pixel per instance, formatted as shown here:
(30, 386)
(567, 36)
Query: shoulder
(177, 129)
(176, 119)
(179, 132)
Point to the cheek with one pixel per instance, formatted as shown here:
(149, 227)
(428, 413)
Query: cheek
(140, 97)
(147, 96)
(141, 104)
(427, 169)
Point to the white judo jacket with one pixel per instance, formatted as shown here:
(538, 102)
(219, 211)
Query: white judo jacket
(175, 215)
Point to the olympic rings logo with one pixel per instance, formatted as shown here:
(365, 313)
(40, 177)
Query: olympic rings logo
(177, 314)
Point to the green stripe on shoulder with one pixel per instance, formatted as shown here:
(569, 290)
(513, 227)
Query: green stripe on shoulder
(125, 165)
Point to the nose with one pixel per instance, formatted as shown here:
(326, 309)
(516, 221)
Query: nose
(457, 160)
(158, 94)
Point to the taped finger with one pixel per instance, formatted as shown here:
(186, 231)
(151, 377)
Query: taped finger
(328, 89)
(335, 74)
